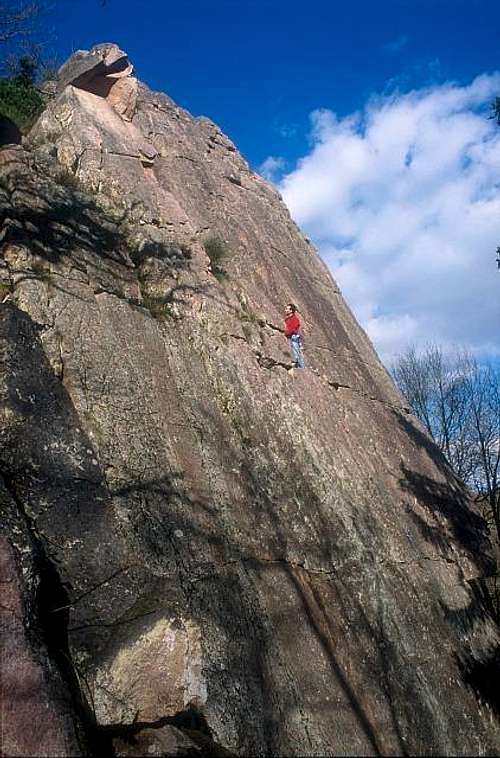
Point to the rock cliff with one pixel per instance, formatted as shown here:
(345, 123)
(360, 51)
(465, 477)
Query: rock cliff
(205, 551)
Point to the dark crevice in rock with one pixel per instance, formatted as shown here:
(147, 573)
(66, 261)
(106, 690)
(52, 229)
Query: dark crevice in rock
(146, 160)
(338, 386)
(190, 722)
(281, 252)
(114, 624)
(187, 158)
(222, 335)
(61, 361)
(76, 600)
(252, 559)
(52, 613)
(115, 293)
(265, 361)
(10, 134)
(317, 571)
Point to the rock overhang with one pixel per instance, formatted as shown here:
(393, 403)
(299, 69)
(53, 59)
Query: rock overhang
(105, 71)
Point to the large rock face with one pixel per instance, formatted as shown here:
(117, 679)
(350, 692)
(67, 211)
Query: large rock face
(250, 559)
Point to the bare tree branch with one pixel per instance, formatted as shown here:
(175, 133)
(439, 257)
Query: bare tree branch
(17, 20)
(458, 401)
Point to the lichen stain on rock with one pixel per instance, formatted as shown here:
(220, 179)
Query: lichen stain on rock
(157, 674)
(195, 685)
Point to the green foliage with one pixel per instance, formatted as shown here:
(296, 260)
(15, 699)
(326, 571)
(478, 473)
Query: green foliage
(158, 308)
(67, 179)
(219, 273)
(217, 251)
(155, 304)
(5, 289)
(20, 101)
(26, 70)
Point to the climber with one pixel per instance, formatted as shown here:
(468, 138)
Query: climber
(292, 331)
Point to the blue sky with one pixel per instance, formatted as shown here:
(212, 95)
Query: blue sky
(371, 118)
(259, 67)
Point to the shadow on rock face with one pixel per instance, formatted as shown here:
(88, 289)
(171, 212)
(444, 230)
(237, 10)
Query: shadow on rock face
(483, 676)
(47, 464)
(53, 216)
(444, 501)
(99, 82)
(60, 223)
(479, 668)
(10, 134)
(184, 734)
(448, 502)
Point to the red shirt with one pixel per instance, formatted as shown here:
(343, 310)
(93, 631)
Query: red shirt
(292, 325)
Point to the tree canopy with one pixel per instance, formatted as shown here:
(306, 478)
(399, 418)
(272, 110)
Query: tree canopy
(20, 100)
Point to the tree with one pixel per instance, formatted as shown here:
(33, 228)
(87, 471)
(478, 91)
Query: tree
(16, 20)
(458, 401)
(20, 101)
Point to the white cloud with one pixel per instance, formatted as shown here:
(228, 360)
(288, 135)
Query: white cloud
(403, 201)
(271, 168)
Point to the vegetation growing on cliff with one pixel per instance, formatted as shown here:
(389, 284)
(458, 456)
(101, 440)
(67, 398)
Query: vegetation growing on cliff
(20, 100)
(158, 308)
(217, 251)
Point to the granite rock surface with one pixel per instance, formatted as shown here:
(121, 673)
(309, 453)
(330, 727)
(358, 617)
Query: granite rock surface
(277, 560)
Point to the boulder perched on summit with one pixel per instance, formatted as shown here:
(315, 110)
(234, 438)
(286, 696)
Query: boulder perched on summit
(246, 559)
(105, 71)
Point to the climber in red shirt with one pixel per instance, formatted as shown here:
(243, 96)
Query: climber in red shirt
(292, 332)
